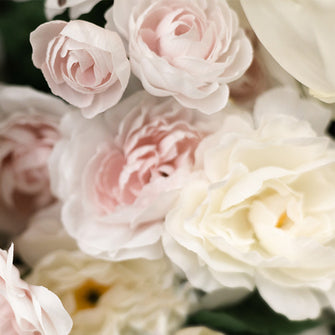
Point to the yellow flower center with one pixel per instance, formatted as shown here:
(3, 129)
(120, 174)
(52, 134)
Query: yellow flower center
(88, 294)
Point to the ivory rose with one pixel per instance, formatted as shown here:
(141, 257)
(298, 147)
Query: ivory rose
(115, 298)
(188, 49)
(29, 123)
(262, 214)
(84, 64)
(119, 185)
(27, 309)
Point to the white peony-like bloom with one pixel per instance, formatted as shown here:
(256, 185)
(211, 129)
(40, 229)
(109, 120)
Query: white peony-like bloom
(28, 309)
(119, 185)
(300, 35)
(45, 233)
(188, 49)
(262, 214)
(131, 297)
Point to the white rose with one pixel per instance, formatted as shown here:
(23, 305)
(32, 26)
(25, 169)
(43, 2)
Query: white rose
(262, 215)
(131, 297)
(188, 49)
(76, 7)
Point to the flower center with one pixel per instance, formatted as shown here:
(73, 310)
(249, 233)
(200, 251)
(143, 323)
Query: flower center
(88, 294)
(283, 221)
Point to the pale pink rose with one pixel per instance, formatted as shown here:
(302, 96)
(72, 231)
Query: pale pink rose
(119, 185)
(188, 49)
(29, 123)
(84, 64)
(28, 309)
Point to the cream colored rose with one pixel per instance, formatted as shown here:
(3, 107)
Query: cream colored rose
(132, 297)
(262, 214)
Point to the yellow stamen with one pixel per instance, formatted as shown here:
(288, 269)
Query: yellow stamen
(281, 220)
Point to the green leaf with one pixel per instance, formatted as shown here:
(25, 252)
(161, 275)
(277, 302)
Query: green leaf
(252, 316)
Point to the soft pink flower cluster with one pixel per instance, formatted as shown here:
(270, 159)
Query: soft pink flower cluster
(174, 156)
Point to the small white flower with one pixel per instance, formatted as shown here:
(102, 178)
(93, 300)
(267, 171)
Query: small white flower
(77, 7)
(131, 297)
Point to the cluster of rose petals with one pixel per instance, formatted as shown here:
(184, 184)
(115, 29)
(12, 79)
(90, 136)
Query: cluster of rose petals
(84, 64)
(76, 7)
(139, 296)
(27, 309)
(29, 123)
(188, 49)
(118, 187)
(262, 215)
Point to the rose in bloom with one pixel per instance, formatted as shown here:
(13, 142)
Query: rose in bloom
(118, 187)
(84, 64)
(304, 31)
(262, 215)
(76, 7)
(131, 297)
(188, 49)
(27, 309)
(29, 123)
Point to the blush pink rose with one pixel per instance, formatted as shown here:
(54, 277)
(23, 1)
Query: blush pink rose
(188, 49)
(29, 123)
(84, 64)
(28, 309)
(119, 186)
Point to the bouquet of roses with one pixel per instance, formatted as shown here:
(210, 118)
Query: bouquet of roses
(180, 179)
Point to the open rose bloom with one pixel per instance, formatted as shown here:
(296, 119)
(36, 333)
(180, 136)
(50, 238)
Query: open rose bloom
(118, 188)
(188, 49)
(27, 309)
(262, 215)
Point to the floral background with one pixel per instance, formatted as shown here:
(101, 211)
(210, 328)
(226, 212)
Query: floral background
(251, 314)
